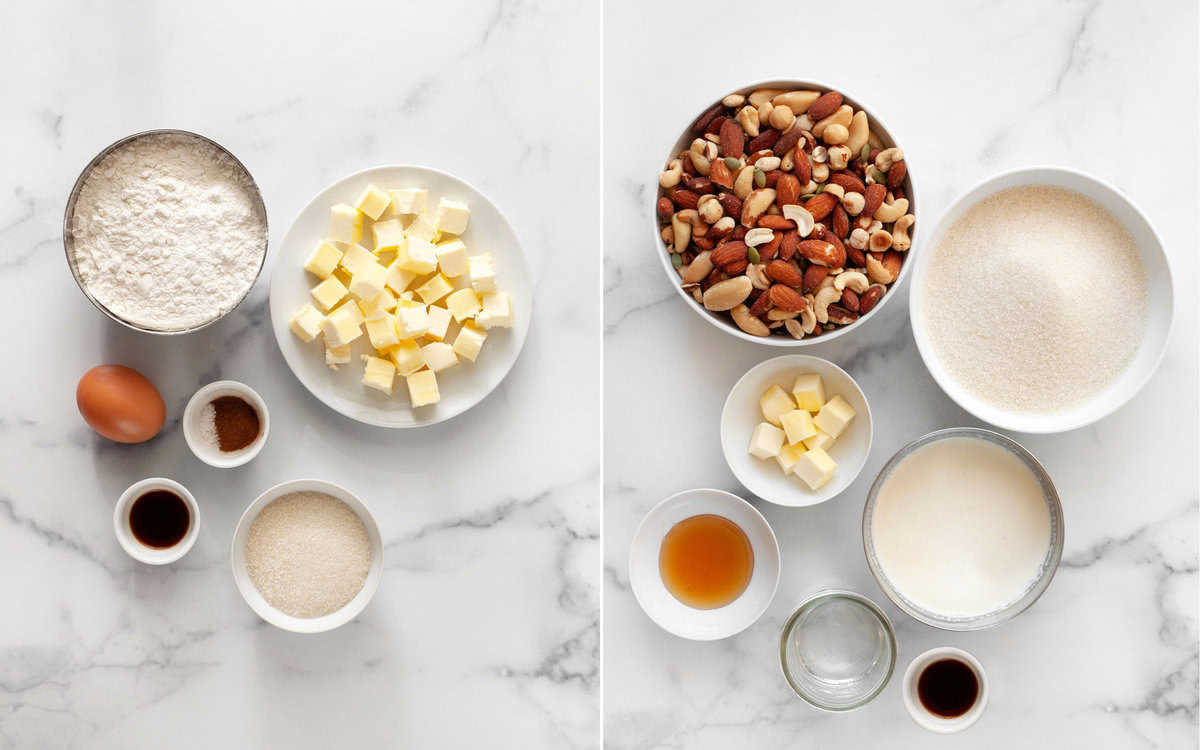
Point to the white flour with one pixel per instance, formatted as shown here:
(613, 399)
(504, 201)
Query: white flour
(168, 232)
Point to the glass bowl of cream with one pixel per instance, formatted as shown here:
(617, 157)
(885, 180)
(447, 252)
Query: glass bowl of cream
(963, 529)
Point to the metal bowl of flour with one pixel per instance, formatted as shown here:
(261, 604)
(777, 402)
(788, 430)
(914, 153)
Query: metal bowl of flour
(69, 222)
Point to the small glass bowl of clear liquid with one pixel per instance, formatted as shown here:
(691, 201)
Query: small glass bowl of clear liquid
(837, 650)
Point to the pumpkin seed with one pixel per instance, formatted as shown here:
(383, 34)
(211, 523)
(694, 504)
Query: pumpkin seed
(753, 255)
(760, 178)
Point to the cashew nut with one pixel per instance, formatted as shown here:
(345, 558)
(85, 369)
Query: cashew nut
(853, 202)
(733, 100)
(859, 131)
(887, 157)
(681, 225)
(757, 273)
(710, 208)
(671, 176)
(839, 156)
(758, 236)
(700, 267)
(747, 117)
(859, 238)
(878, 272)
(823, 299)
(889, 212)
(748, 323)
(702, 153)
(795, 328)
(804, 122)
(835, 189)
(788, 162)
(764, 112)
(855, 281)
(800, 215)
(900, 239)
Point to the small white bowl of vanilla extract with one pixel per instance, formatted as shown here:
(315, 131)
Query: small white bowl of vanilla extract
(156, 521)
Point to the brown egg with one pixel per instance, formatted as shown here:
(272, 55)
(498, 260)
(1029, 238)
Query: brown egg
(120, 404)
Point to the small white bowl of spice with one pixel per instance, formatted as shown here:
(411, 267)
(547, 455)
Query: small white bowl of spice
(307, 556)
(226, 424)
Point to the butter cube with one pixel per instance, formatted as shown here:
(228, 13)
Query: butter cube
(766, 441)
(328, 293)
(388, 235)
(373, 202)
(345, 224)
(409, 201)
(834, 416)
(452, 216)
(382, 332)
(434, 289)
(406, 356)
(342, 325)
(496, 312)
(815, 467)
(469, 341)
(353, 310)
(341, 274)
(306, 323)
(821, 440)
(788, 456)
(323, 260)
(482, 273)
(355, 257)
(398, 278)
(337, 356)
(378, 373)
(798, 425)
(775, 403)
(423, 388)
(439, 356)
(452, 258)
(378, 307)
(422, 228)
(417, 255)
(413, 320)
(439, 322)
(368, 281)
(809, 391)
(463, 304)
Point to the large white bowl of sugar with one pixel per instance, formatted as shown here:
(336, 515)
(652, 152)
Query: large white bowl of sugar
(1042, 300)
(308, 555)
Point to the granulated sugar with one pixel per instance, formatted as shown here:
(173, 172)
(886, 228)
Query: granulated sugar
(308, 554)
(1035, 299)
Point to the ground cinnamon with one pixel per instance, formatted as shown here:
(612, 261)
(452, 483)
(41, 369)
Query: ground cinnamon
(236, 423)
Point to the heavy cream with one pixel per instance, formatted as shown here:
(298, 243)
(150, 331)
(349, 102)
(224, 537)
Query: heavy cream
(961, 527)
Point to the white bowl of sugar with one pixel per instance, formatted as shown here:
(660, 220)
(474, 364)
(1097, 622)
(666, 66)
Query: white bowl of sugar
(1043, 300)
(307, 556)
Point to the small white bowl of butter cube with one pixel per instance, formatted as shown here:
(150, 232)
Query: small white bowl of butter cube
(796, 430)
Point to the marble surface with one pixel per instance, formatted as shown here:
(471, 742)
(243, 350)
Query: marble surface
(485, 632)
(1108, 657)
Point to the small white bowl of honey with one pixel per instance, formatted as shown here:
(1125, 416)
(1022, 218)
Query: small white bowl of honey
(704, 564)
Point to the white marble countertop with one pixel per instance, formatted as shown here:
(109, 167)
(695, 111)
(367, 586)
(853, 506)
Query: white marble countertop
(485, 632)
(1108, 657)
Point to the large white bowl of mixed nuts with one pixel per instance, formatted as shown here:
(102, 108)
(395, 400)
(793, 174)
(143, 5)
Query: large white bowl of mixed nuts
(785, 213)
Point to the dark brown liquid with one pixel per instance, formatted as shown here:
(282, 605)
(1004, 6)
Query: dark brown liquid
(160, 519)
(948, 688)
(706, 561)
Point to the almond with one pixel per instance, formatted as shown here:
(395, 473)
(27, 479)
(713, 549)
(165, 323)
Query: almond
(771, 248)
(850, 300)
(857, 257)
(787, 190)
(786, 298)
(776, 222)
(714, 127)
(787, 141)
(870, 298)
(665, 208)
(728, 253)
(761, 304)
(719, 174)
(785, 273)
(683, 198)
(764, 140)
(849, 182)
(874, 195)
(731, 203)
(733, 139)
(787, 247)
(813, 276)
(839, 222)
(896, 174)
(822, 253)
(825, 105)
(701, 185)
(883, 268)
(841, 316)
(819, 205)
(803, 168)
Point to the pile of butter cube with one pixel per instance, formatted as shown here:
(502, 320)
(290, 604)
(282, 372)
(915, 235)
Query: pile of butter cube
(424, 301)
(800, 428)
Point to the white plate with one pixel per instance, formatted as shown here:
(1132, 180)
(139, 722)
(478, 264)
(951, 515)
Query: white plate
(1160, 303)
(462, 386)
(352, 608)
(661, 605)
(742, 413)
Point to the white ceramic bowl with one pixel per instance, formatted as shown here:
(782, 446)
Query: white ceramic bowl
(661, 605)
(460, 387)
(1160, 303)
(722, 320)
(261, 607)
(139, 551)
(742, 413)
(933, 722)
(209, 452)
